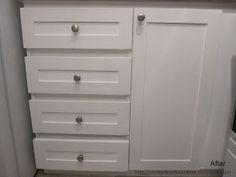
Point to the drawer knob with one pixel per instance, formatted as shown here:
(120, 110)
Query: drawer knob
(77, 78)
(75, 28)
(80, 158)
(79, 119)
(141, 17)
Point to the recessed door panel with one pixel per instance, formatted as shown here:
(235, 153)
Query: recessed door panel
(173, 68)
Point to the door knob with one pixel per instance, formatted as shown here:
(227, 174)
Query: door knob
(80, 158)
(79, 119)
(141, 17)
(75, 28)
(77, 78)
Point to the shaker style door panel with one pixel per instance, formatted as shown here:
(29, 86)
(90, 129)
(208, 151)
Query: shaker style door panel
(81, 154)
(80, 117)
(84, 28)
(86, 75)
(174, 55)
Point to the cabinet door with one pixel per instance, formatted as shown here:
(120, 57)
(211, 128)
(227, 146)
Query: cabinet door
(175, 52)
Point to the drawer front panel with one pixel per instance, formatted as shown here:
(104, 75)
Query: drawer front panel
(80, 117)
(97, 28)
(84, 155)
(98, 76)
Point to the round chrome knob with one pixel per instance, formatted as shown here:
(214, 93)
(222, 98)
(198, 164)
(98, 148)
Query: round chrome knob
(141, 16)
(80, 158)
(77, 78)
(79, 119)
(75, 28)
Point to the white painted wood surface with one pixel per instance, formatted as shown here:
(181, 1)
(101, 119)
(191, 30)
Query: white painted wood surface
(173, 70)
(99, 117)
(99, 76)
(99, 28)
(174, 56)
(99, 155)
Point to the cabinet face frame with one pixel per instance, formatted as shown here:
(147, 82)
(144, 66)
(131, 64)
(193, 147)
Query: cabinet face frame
(208, 18)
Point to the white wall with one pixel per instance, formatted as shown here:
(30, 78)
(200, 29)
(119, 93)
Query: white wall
(8, 165)
(15, 119)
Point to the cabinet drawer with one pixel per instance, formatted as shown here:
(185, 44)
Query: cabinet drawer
(99, 76)
(97, 28)
(80, 154)
(80, 117)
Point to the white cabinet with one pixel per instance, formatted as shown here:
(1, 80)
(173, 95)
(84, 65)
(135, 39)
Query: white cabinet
(92, 69)
(174, 54)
